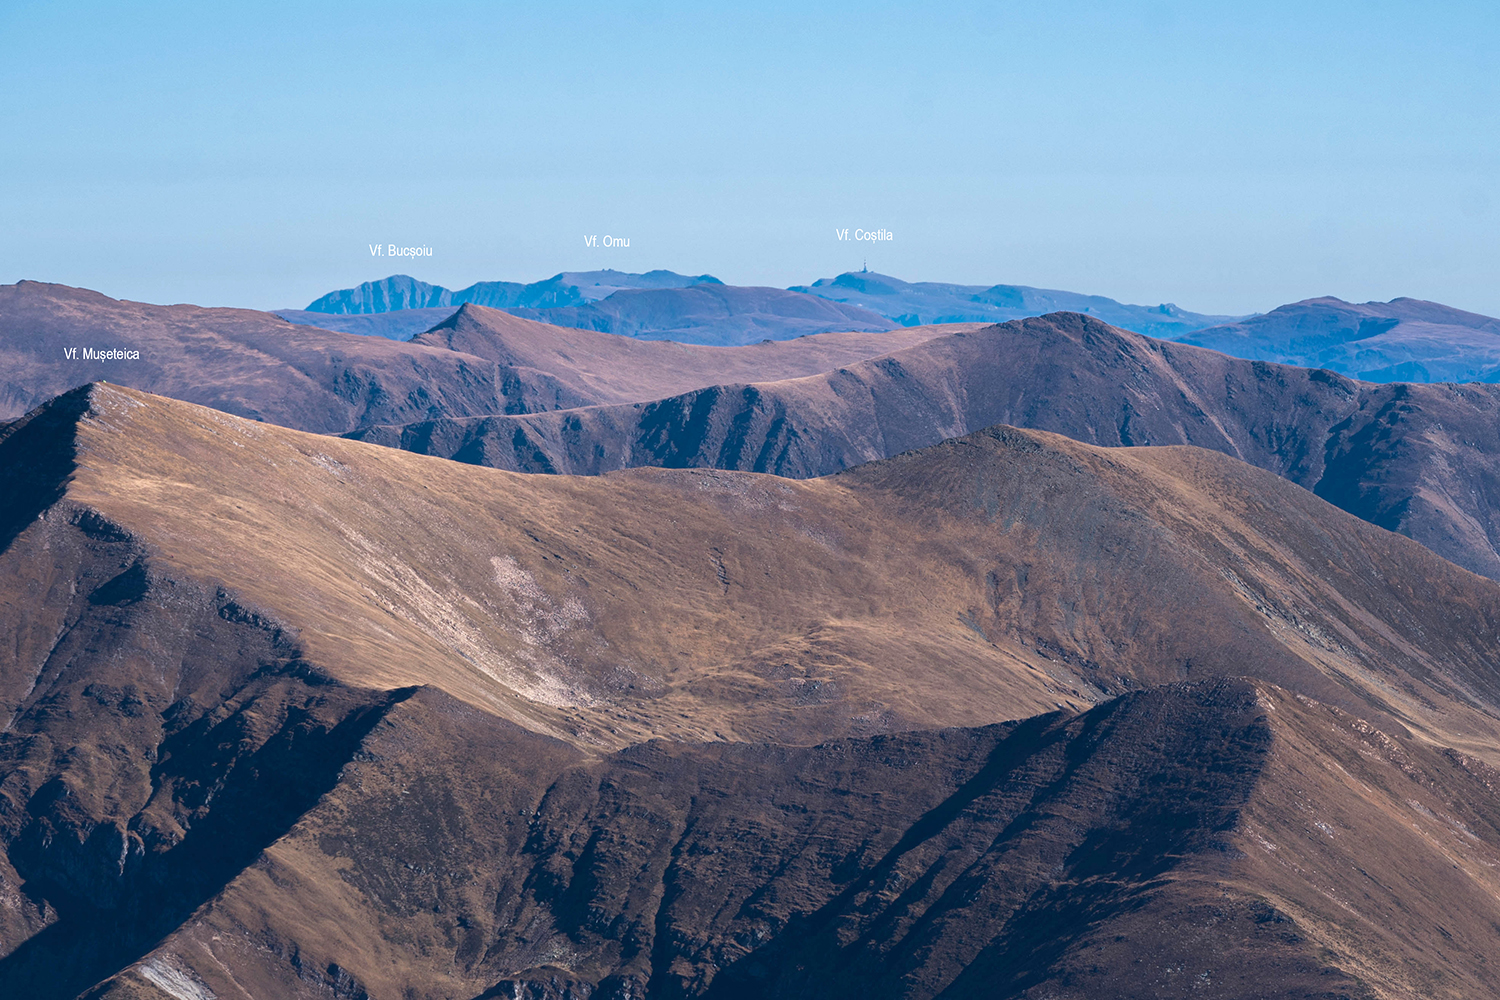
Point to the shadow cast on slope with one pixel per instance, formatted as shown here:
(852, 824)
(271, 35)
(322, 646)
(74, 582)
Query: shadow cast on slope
(1151, 799)
(256, 797)
(38, 455)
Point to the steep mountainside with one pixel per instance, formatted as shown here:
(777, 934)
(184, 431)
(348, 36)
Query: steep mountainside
(1403, 340)
(295, 716)
(912, 303)
(1423, 460)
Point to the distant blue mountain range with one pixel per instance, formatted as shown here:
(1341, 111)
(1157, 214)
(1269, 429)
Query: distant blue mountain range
(570, 288)
(664, 305)
(1405, 340)
(922, 302)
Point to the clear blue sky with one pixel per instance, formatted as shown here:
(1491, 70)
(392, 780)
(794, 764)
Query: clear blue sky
(1228, 157)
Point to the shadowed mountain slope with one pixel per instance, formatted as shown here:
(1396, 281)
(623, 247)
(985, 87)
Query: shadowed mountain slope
(296, 716)
(902, 303)
(911, 303)
(1216, 839)
(1423, 460)
(1403, 340)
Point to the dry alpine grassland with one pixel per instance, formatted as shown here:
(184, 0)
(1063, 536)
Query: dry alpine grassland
(296, 716)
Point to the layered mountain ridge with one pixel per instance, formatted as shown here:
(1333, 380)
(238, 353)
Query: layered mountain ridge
(917, 303)
(703, 310)
(401, 292)
(658, 305)
(296, 716)
(489, 388)
(1404, 340)
(827, 680)
(1420, 459)
(713, 314)
(485, 387)
(257, 365)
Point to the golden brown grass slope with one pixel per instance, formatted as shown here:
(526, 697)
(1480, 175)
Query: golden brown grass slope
(607, 368)
(990, 577)
(288, 715)
(1423, 460)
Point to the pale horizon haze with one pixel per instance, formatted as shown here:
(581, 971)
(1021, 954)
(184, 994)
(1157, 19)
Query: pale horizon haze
(1225, 160)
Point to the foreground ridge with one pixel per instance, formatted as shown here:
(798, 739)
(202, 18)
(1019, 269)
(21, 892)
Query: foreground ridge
(321, 718)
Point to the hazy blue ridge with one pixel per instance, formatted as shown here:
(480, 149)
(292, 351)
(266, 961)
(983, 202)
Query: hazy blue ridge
(657, 305)
(1403, 340)
(702, 309)
(922, 302)
(402, 291)
(399, 291)
(712, 314)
